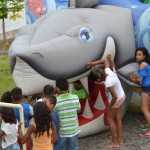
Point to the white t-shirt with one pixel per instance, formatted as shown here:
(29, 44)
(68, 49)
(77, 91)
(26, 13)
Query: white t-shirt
(113, 80)
(10, 136)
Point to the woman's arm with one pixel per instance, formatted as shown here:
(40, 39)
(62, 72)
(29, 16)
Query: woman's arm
(2, 133)
(54, 134)
(101, 61)
(25, 137)
(112, 64)
(134, 78)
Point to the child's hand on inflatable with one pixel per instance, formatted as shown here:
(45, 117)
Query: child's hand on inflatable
(133, 77)
(109, 56)
(89, 64)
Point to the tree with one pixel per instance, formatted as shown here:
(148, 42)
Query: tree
(11, 7)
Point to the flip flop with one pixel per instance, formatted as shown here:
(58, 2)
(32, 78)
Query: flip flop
(144, 135)
(141, 121)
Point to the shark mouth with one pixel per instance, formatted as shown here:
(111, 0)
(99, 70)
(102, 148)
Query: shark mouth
(94, 113)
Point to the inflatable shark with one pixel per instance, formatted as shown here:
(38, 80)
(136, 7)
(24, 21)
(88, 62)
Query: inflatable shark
(61, 43)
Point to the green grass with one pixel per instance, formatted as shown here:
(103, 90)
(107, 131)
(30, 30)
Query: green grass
(6, 80)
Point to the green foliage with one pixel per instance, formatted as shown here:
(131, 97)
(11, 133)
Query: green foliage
(6, 81)
(10, 6)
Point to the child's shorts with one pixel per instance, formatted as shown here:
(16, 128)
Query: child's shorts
(14, 146)
(118, 103)
(146, 89)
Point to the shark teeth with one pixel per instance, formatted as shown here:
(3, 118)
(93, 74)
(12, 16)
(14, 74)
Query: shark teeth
(84, 82)
(70, 87)
(109, 49)
(87, 113)
(99, 104)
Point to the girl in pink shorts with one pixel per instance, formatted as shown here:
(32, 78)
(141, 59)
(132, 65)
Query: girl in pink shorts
(113, 85)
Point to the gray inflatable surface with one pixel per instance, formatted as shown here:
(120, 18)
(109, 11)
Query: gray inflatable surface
(55, 47)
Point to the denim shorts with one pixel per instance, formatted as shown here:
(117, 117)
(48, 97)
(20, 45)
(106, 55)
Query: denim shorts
(146, 89)
(14, 146)
(69, 143)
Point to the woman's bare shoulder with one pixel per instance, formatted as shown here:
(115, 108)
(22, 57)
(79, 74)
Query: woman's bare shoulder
(142, 65)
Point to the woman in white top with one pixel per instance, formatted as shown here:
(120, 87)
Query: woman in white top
(10, 129)
(113, 85)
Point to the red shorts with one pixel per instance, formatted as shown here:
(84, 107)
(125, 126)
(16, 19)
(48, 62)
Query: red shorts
(118, 103)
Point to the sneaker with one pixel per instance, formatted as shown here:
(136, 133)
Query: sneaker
(143, 127)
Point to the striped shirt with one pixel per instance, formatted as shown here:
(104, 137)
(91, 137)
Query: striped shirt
(66, 107)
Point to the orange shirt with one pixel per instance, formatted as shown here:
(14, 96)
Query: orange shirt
(42, 143)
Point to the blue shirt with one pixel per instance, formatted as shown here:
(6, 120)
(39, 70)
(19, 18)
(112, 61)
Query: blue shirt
(27, 109)
(56, 121)
(145, 74)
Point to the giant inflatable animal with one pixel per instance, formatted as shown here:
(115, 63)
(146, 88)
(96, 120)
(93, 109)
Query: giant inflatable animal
(141, 19)
(60, 44)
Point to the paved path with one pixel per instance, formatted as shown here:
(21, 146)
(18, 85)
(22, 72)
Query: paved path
(131, 139)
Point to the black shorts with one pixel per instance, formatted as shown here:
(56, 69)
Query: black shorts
(146, 89)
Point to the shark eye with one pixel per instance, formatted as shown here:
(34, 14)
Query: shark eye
(86, 35)
(38, 9)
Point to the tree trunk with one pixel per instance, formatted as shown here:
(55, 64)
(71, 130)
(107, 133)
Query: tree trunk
(3, 28)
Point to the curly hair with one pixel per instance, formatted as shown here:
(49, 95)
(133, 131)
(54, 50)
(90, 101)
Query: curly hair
(42, 118)
(96, 74)
(8, 115)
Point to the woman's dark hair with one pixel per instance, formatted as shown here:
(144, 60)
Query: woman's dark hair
(145, 53)
(16, 93)
(8, 115)
(42, 118)
(62, 84)
(6, 97)
(48, 90)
